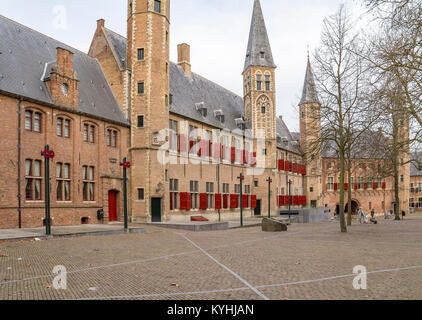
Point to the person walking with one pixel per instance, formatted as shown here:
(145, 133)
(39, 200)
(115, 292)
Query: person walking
(360, 215)
(372, 213)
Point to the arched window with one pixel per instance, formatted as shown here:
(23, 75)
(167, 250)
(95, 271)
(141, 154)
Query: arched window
(268, 83)
(259, 82)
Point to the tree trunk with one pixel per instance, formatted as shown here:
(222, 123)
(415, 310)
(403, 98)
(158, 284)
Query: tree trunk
(349, 191)
(343, 226)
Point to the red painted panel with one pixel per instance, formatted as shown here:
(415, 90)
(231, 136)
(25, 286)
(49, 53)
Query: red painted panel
(253, 202)
(225, 201)
(112, 206)
(203, 201)
(218, 203)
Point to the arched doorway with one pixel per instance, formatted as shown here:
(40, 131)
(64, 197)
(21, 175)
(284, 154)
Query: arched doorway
(355, 207)
(112, 205)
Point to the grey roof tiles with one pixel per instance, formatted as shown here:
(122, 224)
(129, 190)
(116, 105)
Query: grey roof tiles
(24, 56)
(259, 49)
(309, 93)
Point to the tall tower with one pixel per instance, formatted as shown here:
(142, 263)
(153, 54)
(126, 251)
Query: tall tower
(148, 60)
(259, 86)
(310, 138)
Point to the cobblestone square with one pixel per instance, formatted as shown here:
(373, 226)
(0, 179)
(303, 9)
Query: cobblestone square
(310, 261)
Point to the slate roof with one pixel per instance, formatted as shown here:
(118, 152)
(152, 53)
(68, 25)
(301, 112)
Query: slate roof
(309, 93)
(258, 41)
(414, 170)
(187, 91)
(119, 45)
(25, 54)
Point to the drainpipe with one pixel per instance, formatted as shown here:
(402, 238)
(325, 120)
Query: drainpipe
(19, 146)
(218, 184)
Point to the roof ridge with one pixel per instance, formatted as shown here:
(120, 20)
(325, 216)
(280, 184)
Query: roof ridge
(46, 36)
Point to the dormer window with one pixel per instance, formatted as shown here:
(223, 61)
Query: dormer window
(219, 115)
(262, 54)
(202, 109)
(240, 123)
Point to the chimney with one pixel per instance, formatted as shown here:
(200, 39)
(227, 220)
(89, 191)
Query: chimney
(281, 118)
(63, 83)
(100, 23)
(183, 52)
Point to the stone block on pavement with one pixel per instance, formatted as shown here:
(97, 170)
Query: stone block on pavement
(272, 225)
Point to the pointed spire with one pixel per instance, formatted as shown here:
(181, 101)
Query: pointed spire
(259, 49)
(309, 94)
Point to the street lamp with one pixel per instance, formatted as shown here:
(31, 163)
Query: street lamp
(241, 178)
(47, 154)
(269, 180)
(126, 165)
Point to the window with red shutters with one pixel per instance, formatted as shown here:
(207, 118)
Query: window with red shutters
(281, 165)
(233, 154)
(225, 201)
(253, 201)
(233, 201)
(218, 202)
(253, 158)
(245, 201)
(203, 201)
(280, 201)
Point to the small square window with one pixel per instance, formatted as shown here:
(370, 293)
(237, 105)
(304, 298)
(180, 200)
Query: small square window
(141, 54)
(140, 121)
(157, 6)
(141, 194)
(141, 88)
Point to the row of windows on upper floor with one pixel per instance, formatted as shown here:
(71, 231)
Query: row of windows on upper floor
(63, 179)
(33, 122)
(261, 84)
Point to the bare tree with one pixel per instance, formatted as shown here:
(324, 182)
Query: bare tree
(340, 75)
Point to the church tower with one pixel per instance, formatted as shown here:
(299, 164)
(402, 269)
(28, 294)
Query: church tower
(310, 138)
(259, 86)
(148, 61)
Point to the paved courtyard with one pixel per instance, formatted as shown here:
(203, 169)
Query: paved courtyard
(311, 261)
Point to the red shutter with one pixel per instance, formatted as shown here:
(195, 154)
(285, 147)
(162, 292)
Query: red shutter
(218, 202)
(209, 153)
(182, 201)
(233, 155)
(346, 187)
(182, 143)
(245, 201)
(286, 200)
(375, 186)
(356, 186)
(187, 201)
(384, 185)
(281, 165)
(191, 145)
(253, 202)
(294, 168)
(253, 158)
(225, 201)
(295, 200)
(233, 201)
(217, 151)
(335, 186)
(304, 170)
(203, 201)
(245, 158)
(280, 201)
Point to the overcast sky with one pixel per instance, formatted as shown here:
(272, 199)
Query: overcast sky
(217, 31)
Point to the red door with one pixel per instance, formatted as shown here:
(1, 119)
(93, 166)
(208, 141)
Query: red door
(112, 206)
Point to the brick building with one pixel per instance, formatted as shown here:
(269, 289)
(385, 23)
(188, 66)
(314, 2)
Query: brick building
(415, 200)
(188, 139)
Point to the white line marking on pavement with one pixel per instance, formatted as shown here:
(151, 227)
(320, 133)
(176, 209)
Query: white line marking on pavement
(158, 295)
(247, 288)
(227, 269)
(135, 261)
